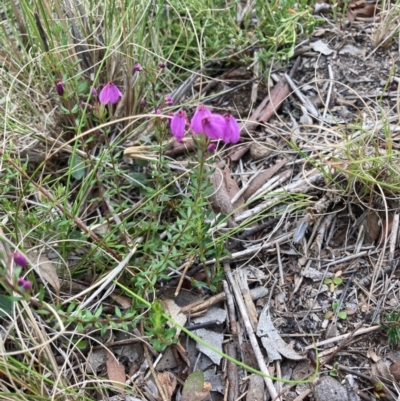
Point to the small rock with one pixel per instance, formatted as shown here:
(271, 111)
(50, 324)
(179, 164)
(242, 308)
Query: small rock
(329, 389)
(256, 388)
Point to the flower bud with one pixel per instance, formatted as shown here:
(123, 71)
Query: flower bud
(19, 259)
(60, 87)
(169, 100)
(27, 285)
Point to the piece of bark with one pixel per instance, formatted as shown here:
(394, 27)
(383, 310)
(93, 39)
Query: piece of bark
(241, 280)
(263, 178)
(232, 188)
(178, 149)
(271, 103)
(238, 152)
(232, 373)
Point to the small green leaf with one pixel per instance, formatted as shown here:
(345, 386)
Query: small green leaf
(328, 315)
(342, 315)
(337, 280)
(71, 307)
(193, 387)
(138, 180)
(83, 87)
(327, 281)
(99, 311)
(41, 294)
(77, 166)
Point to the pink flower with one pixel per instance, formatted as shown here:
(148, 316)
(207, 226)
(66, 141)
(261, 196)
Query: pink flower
(27, 285)
(19, 259)
(169, 100)
(60, 87)
(232, 130)
(178, 123)
(214, 126)
(143, 102)
(109, 94)
(197, 121)
(137, 67)
(211, 147)
(161, 64)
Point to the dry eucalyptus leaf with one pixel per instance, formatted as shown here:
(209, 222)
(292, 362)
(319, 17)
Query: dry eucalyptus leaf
(168, 383)
(232, 188)
(321, 47)
(381, 370)
(275, 344)
(220, 200)
(45, 269)
(116, 371)
(194, 388)
(123, 301)
(212, 338)
(173, 310)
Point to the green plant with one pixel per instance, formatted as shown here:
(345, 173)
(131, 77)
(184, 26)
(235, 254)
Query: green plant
(342, 314)
(334, 372)
(334, 282)
(392, 326)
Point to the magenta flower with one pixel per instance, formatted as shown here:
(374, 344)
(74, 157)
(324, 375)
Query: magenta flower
(19, 259)
(178, 123)
(161, 64)
(214, 126)
(197, 121)
(232, 130)
(25, 284)
(143, 102)
(137, 67)
(60, 87)
(211, 147)
(94, 90)
(169, 100)
(109, 94)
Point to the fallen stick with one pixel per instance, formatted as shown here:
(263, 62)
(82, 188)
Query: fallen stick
(253, 340)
